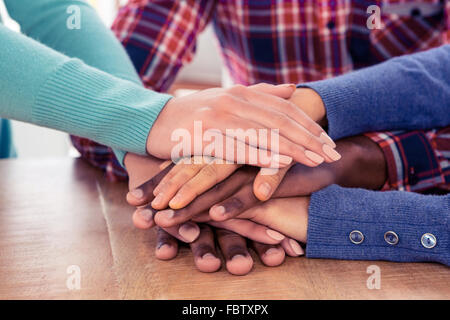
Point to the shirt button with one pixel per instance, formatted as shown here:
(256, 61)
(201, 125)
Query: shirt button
(428, 240)
(391, 238)
(356, 237)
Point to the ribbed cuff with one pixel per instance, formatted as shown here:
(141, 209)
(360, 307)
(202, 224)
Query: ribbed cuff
(335, 212)
(338, 100)
(89, 103)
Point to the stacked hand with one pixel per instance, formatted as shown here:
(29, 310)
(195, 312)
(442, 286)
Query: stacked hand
(268, 207)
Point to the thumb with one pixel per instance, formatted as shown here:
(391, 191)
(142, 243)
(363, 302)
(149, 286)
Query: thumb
(267, 182)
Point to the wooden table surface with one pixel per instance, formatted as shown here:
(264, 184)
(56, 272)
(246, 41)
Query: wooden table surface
(59, 213)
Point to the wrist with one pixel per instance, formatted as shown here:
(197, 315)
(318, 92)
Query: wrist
(311, 103)
(362, 165)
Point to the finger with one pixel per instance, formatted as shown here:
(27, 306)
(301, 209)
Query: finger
(204, 251)
(181, 173)
(267, 181)
(235, 252)
(251, 230)
(251, 144)
(143, 218)
(166, 245)
(270, 255)
(170, 217)
(293, 123)
(284, 91)
(143, 194)
(186, 232)
(181, 165)
(292, 247)
(236, 204)
(205, 179)
(269, 96)
(255, 144)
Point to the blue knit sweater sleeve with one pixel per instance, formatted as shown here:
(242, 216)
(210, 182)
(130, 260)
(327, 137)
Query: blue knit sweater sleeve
(405, 93)
(335, 212)
(411, 92)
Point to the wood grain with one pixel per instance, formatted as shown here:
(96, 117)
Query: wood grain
(57, 213)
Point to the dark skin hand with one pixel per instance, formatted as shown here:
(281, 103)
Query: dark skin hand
(233, 247)
(363, 166)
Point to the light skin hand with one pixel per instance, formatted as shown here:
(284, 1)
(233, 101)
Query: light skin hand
(190, 181)
(363, 166)
(261, 106)
(311, 103)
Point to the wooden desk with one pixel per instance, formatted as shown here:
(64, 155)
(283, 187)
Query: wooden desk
(57, 213)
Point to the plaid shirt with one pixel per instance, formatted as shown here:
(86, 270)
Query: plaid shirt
(290, 41)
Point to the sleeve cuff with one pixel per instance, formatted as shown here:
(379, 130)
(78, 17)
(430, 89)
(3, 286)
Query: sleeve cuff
(335, 212)
(89, 103)
(336, 98)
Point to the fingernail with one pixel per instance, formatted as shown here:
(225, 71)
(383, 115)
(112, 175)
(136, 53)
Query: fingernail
(271, 251)
(284, 160)
(158, 200)
(268, 171)
(296, 247)
(326, 139)
(217, 210)
(208, 256)
(329, 151)
(166, 214)
(146, 214)
(274, 234)
(137, 193)
(265, 189)
(314, 157)
(189, 232)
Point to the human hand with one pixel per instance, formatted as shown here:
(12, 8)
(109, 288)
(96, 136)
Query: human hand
(363, 165)
(311, 103)
(193, 176)
(140, 169)
(233, 247)
(260, 106)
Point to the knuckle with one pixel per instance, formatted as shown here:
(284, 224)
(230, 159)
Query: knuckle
(310, 140)
(282, 120)
(223, 99)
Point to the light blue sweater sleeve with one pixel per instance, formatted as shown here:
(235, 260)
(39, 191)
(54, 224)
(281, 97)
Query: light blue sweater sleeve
(411, 92)
(99, 97)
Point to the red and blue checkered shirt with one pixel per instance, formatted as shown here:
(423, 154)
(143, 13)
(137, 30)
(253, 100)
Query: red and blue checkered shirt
(291, 41)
